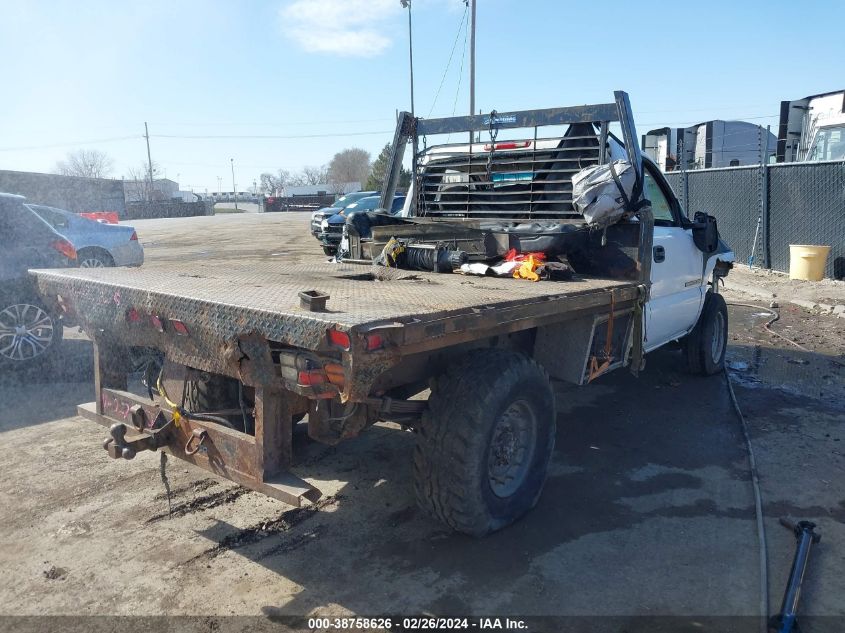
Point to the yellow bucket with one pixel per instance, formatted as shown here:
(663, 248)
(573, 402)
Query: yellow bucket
(807, 261)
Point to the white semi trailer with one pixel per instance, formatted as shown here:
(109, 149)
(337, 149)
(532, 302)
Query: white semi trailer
(812, 128)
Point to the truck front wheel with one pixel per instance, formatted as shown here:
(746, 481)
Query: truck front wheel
(484, 445)
(705, 346)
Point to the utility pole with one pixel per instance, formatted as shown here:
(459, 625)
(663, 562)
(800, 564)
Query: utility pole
(219, 184)
(472, 63)
(234, 189)
(764, 199)
(407, 5)
(149, 158)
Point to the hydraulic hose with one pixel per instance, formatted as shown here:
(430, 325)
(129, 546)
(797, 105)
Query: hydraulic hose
(185, 413)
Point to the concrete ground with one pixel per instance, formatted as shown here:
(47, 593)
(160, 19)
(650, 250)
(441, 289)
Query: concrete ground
(825, 296)
(648, 510)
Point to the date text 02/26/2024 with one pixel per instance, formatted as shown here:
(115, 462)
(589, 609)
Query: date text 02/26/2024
(416, 624)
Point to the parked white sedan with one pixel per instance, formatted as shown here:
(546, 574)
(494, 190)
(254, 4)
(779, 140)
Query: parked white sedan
(97, 244)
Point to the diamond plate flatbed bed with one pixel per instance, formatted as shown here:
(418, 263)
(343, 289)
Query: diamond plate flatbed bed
(361, 360)
(414, 310)
(240, 314)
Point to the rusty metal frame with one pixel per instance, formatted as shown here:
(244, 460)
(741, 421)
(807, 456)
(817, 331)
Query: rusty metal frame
(259, 462)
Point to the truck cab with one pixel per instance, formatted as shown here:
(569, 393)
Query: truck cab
(681, 272)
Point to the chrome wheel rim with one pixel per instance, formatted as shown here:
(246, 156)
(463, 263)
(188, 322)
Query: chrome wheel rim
(91, 262)
(512, 449)
(718, 343)
(26, 331)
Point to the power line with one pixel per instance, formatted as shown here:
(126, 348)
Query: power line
(268, 136)
(222, 165)
(460, 77)
(71, 144)
(275, 123)
(710, 109)
(460, 73)
(449, 62)
(694, 123)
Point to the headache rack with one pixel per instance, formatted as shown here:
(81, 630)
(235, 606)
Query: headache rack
(510, 181)
(527, 177)
(520, 179)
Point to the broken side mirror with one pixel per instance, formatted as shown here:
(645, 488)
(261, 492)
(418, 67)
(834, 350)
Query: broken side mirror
(705, 234)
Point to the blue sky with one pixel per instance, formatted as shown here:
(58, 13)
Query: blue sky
(89, 73)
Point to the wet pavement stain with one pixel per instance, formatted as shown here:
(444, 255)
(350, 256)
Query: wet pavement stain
(756, 358)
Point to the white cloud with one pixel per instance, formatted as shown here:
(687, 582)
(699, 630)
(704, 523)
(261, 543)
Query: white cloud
(356, 28)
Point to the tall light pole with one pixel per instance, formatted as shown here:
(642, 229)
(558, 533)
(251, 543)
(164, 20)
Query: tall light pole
(234, 189)
(149, 157)
(472, 59)
(407, 5)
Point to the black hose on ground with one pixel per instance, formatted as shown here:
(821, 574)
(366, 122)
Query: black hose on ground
(758, 509)
(758, 498)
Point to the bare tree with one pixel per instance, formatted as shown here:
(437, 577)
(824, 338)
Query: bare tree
(139, 187)
(86, 163)
(310, 175)
(337, 188)
(273, 184)
(350, 165)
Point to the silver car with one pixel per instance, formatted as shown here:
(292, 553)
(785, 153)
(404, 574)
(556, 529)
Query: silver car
(97, 244)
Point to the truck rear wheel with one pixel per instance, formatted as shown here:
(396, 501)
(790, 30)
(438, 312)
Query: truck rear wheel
(484, 445)
(211, 392)
(705, 346)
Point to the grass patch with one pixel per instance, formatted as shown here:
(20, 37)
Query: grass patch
(218, 210)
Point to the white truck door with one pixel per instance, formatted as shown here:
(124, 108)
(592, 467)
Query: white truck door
(677, 284)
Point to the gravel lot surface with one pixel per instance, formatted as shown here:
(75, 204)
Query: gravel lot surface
(648, 510)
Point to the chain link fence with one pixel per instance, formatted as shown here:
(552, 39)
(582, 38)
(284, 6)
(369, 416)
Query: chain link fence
(762, 210)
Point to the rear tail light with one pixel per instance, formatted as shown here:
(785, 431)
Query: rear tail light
(133, 316)
(374, 342)
(340, 339)
(508, 145)
(334, 372)
(133, 237)
(310, 377)
(65, 248)
(180, 328)
(157, 323)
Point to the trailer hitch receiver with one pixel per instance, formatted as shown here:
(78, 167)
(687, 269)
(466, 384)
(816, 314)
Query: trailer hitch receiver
(118, 446)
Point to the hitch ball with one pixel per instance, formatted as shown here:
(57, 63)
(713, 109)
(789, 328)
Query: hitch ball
(116, 444)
